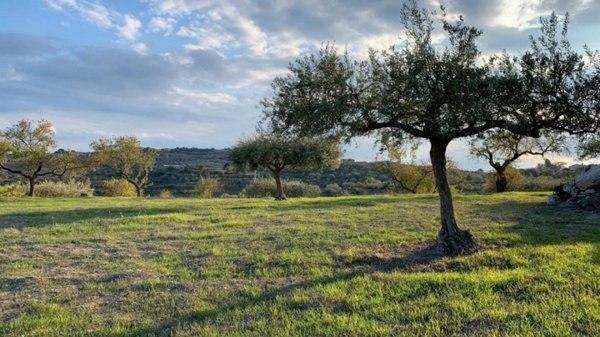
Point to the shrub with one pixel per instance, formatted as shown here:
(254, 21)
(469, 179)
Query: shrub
(207, 187)
(165, 194)
(541, 183)
(118, 188)
(263, 188)
(334, 190)
(59, 189)
(12, 190)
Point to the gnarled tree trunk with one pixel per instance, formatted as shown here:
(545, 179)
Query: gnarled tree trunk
(279, 195)
(451, 239)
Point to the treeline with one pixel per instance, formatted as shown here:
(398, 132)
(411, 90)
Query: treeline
(185, 172)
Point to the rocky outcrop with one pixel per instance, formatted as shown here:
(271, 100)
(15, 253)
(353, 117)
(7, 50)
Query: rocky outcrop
(583, 193)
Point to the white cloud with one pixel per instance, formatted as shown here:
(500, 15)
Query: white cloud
(130, 28)
(201, 98)
(519, 14)
(140, 47)
(127, 26)
(91, 12)
(162, 25)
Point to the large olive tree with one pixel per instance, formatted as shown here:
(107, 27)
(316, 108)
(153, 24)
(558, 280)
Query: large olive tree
(438, 94)
(25, 150)
(126, 158)
(276, 153)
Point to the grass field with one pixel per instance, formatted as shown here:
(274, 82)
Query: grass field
(352, 266)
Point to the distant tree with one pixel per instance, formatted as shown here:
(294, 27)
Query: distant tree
(276, 153)
(417, 178)
(126, 158)
(502, 149)
(409, 176)
(25, 151)
(515, 181)
(425, 91)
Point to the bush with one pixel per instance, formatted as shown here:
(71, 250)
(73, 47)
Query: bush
(12, 190)
(264, 188)
(541, 183)
(207, 187)
(59, 189)
(334, 190)
(118, 188)
(166, 194)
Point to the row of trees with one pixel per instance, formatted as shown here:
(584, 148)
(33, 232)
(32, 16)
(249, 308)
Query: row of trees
(26, 150)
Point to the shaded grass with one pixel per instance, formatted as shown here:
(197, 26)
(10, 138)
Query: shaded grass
(352, 266)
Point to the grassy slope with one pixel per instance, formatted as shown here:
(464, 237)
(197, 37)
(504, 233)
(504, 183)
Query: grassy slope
(315, 267)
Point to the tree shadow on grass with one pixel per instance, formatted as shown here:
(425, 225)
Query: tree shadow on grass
(355, 201)
(357, 268)
(37, 219)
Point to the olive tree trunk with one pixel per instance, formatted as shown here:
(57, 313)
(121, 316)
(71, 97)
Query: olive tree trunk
(501, 180)
(139, 191)
(31, 192)
(279, 194)
(451, 239)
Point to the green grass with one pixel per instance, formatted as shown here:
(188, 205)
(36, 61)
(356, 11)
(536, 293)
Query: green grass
(352, 266)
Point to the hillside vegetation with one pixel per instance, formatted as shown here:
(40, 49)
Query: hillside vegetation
(348, 266)
(179, 170)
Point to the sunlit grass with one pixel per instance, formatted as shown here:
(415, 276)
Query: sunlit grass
(352, 266)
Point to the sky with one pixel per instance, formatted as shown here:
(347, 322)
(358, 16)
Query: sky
(191, 73)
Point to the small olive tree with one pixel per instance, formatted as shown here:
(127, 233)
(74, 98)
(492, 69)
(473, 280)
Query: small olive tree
(126, 158)
(502, 148)
(25, 151)
(276, 153)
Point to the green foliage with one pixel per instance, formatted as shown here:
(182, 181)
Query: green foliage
(27, 145)
(334, 190)
(276, 153)
(126, 158)
(207, 187)
(64, 189)
(589, 147)
(15, 189)
(118, 188)
(262, 188)
(541, 183)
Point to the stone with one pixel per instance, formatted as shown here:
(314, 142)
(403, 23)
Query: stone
(567, 188)
(552, 200)
(589, 178)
